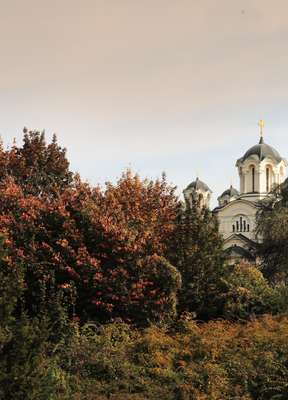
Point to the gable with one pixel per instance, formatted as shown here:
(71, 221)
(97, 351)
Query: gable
(238, 240)
(236, 207)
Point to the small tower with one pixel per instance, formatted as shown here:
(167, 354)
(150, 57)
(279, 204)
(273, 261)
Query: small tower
(199, 191)
(228, 196)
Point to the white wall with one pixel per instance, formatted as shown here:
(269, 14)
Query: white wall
(228, 215)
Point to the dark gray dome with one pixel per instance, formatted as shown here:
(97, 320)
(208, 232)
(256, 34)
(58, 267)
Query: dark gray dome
(262, 150)
(230, 192)
(198, 185)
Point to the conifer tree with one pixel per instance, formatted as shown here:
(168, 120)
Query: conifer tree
(198, 254)
(39, 169)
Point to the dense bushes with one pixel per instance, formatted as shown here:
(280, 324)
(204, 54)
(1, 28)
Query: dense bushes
(28, 346)
(247, 293)
(215, 360)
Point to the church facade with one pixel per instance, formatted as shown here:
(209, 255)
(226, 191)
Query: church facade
(260, 170)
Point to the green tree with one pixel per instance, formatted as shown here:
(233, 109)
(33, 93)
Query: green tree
(272, 229)
(248, 293)
(198, 255)
(154, 287)
(11, 289)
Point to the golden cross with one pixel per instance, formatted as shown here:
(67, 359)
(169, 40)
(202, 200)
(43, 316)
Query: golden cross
(261, 125)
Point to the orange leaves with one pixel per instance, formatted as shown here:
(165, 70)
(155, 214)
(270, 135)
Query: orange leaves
(10, 190)
(56, 258)
(45, 246)
(62, 242)
(108, 307)
(97, 277)
(94, 239)
(65, 286)
(7, 242)
(134, 218)
(24, 217)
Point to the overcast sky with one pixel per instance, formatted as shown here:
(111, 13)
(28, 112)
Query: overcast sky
(155, 85)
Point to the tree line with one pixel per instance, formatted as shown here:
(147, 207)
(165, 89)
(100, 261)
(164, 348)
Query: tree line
(118, 291)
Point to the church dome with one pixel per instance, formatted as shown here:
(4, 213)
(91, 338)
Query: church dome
(199, 191)
(262, 150)
(227, 196)
(198, 185)
(231, 192)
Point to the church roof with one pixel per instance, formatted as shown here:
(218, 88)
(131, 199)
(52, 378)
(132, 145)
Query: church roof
(239, 252)
(262, 150)
(244, 239)
(250, 203)
(232, 192)
(198, 185)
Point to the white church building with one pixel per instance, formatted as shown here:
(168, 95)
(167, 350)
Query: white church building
(260, 170)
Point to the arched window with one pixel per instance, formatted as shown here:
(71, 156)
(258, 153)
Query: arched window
(200, 200)
(241, 224)
(253, 179)
(267, 179)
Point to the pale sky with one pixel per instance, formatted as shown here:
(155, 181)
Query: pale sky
(155, 85)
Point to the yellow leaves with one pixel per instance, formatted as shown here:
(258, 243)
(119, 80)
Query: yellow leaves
(62, 242)
(154, 339)
(65, 286)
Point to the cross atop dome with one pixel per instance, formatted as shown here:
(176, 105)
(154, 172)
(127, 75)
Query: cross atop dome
(261, 125)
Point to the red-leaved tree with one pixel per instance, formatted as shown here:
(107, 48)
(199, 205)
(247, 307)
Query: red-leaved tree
(105, 249)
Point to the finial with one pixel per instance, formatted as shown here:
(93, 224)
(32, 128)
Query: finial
(261, 125)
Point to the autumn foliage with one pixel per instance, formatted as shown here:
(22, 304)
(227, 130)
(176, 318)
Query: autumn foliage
(103, 291)
(105, 249)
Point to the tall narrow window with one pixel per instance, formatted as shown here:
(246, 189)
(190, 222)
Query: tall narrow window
(244, 226)
(240, 224)
(267, 179)
(253, 179)
(237, 226)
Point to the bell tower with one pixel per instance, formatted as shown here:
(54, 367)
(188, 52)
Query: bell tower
(260, 170)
